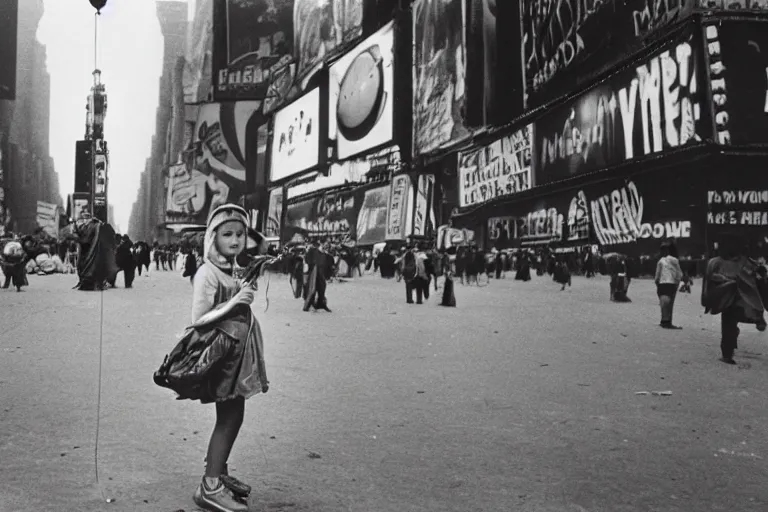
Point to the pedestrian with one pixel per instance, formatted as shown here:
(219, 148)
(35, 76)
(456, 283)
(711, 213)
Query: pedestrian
(190, 265)
(562, 274)
(241, 373)
(734, 287)
(124, 259)
(668, 277)
(318, 264)
(14, 262)
(415, 276)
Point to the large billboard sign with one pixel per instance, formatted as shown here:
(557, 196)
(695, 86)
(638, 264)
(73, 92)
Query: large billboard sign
(653, 105)
(270, 49)
(439, 74)
(296, 137)
(501, 168)
(361, 96)
(738, 70)
(564, 34)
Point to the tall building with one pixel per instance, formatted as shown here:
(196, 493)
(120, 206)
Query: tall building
(148, 210)
(29, 174)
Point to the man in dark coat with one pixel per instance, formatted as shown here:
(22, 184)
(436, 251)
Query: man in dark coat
(314, 292)
(125, 261)
(96, 265)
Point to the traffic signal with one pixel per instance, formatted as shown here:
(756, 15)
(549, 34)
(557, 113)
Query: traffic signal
(83, 166)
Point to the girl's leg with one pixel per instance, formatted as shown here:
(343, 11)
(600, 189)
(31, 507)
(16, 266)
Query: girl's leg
(229, 418)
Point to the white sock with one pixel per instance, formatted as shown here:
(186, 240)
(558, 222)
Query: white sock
(211, 483)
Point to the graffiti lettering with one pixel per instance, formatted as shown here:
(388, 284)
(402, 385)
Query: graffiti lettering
(734, 5)
(658, 13)
(664, 90)
(617, 217)
(502, 168)
(551, 34)
(673, 229)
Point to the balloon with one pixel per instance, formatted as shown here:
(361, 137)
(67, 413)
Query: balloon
(98, 4)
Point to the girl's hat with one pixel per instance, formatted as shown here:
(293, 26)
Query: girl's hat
(221, 215)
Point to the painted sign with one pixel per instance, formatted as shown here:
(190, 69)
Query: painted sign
(296, 137)
(274, 213)
(738, 69)
(398, 206)
(649, 107)
(738, 207)
(502, 168)
(439, 73)
(424, 221)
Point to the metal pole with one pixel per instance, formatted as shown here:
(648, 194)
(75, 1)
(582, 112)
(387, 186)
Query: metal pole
(93, 116)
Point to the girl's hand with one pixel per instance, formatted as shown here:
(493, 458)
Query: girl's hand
(245, 296)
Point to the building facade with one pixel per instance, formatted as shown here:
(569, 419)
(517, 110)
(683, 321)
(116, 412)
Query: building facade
(148, 212)
(28, 171)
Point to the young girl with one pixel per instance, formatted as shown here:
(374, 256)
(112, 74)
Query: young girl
(216, 293)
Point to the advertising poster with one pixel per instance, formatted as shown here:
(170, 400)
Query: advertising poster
(48, 218)
(559, 35)
(424, 221)
(101, 174)
(296, 137)
(361, 96)
(397, 228)
(274, 213)
(439, 74)
(349, 171)
(738, 68)
(502, 168)
(372, 219)
(482, 62)
(328, 216)
(654, 105)
(214, 171)
(197, 78)
(632, 216)
(737, 203)
(275, 47)
(8, 31)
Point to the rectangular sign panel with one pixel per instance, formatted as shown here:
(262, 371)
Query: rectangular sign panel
(439, 75)
(296, 137)
(738, 70)
(651, 106)
(361, 96)
(502, 168)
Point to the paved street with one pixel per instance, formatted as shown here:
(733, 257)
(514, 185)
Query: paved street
(521, 399)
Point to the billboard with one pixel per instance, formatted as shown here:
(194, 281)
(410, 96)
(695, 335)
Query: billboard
(9, 14)
(738, 70)
(332, 215)
(213, 172)
(271, 49)
(400, 199)
(439, 74)
(274, 213)
(632, 216)
(652, 105)
(361, 96)
(296, 137)
(501, 168)
(48, 218)
(349, 171)
(564, 35)
(372, 219)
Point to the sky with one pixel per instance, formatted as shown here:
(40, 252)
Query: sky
(130, 59)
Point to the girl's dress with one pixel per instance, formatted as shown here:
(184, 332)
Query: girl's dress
(242, 372)
(221, 356)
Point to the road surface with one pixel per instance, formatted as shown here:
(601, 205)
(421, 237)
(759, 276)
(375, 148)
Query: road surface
(523, 398)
